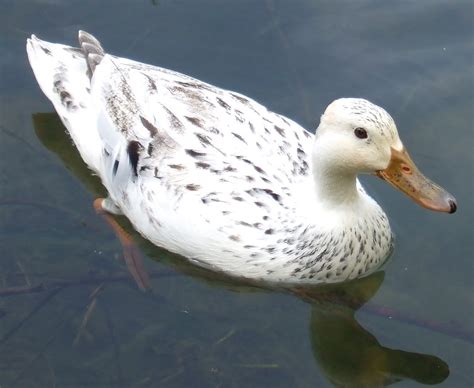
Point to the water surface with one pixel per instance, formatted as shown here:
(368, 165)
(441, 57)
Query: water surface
(408, 325)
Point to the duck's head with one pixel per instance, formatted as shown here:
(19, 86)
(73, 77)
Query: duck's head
(356, 136)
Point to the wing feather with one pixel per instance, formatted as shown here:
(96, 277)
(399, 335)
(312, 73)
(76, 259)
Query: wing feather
(172, 115)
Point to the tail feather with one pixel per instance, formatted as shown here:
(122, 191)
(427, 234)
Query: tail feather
(62, 74)
(92, 50)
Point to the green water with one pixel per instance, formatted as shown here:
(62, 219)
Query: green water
(411, 325)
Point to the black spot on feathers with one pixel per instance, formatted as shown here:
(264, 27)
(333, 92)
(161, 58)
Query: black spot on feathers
(133, 150)
(115, 167)
(205, 140)
(274, 195)
(222, 103)
(280, 130)
(195, 154)
(203, 165)
(194, 120)
(239, 137)
(46, 51)
(193, 187)
(151, 128)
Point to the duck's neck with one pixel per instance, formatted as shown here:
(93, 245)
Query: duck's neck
(334, 186)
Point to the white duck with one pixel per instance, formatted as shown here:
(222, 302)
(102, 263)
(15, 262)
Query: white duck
(214, 176)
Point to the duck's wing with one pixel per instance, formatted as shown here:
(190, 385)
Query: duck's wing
(158, 114)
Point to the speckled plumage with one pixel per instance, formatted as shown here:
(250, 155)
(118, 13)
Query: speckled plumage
(208, 173)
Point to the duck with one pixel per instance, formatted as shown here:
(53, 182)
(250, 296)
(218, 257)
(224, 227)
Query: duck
(216, 177)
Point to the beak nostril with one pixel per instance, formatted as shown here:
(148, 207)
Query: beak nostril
(452, 205)
(406, 169)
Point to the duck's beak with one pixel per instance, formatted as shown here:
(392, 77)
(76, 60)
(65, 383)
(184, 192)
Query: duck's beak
(405, 176)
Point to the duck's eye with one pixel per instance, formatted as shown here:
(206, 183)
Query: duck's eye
(361, 133)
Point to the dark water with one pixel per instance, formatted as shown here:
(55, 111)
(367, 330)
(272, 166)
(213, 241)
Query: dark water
(88, 325)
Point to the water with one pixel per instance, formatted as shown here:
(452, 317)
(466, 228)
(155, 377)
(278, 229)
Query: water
(413, 58)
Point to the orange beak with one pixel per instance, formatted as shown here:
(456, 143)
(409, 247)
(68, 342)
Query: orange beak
(405, 176)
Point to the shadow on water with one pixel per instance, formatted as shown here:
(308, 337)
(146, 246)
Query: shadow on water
(347, 354)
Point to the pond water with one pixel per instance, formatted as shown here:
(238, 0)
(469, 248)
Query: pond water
(80, 320)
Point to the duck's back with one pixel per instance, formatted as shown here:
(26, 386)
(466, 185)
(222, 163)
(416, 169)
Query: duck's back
(128, 101)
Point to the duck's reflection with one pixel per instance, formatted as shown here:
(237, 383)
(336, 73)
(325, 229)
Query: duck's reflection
(347, 354)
